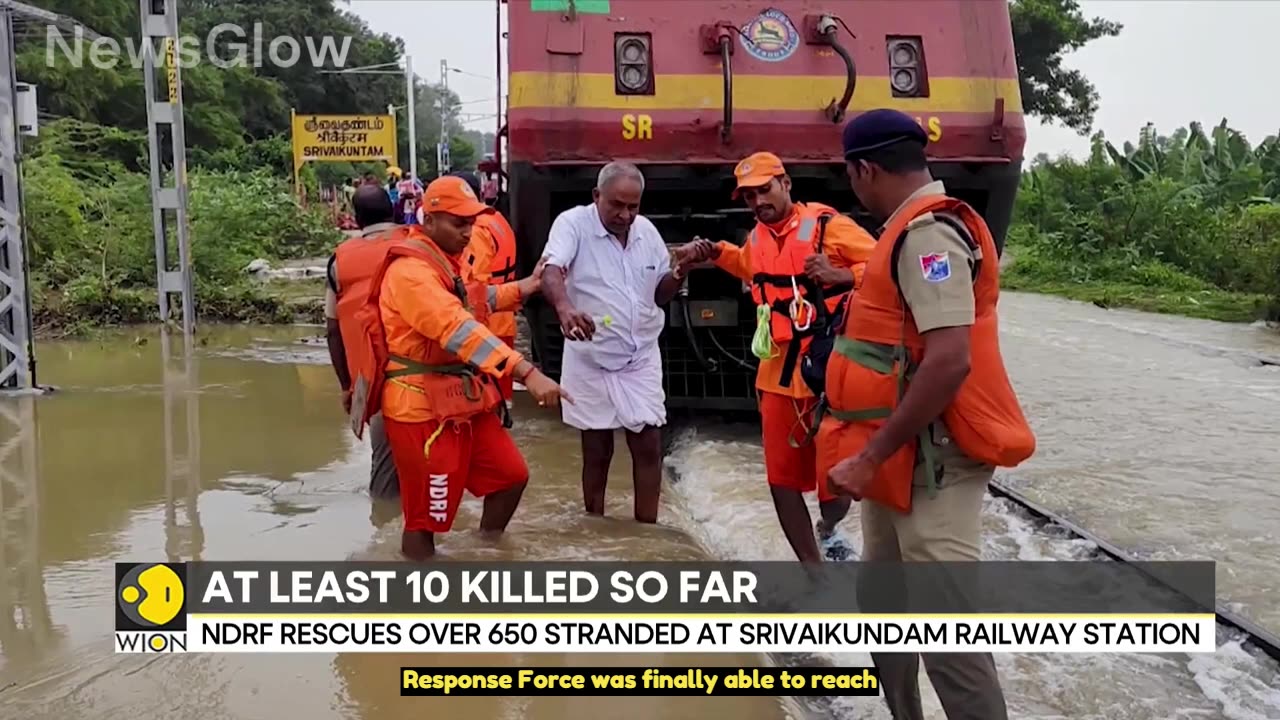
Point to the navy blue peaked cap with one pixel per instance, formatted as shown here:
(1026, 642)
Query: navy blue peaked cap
(880, 128)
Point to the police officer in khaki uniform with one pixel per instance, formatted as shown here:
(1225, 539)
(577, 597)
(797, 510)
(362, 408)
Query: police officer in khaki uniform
(888, 168)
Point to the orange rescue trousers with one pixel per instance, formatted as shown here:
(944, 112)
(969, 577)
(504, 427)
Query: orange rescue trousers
(436, 464)
(783, 419)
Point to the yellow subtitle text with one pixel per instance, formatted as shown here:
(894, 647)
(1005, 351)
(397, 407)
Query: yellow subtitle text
(639, 681)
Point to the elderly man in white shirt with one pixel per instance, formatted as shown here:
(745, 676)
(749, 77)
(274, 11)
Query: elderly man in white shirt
(608, 272)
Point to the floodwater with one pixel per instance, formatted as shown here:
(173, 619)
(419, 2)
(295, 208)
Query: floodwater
(1153, 434)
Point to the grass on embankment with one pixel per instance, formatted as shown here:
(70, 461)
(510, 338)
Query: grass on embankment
(1150, 287)
(81, 308)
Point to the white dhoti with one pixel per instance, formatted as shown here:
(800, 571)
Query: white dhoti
(629, 396)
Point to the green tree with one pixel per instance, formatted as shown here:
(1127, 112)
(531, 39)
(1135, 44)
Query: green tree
(1043, 32)
(462, 154)
(1180, 215)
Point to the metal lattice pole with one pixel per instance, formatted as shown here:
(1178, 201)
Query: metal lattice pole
(442, 154)
(181, 450)
(14, 303)
(24, 606)
(164, 24)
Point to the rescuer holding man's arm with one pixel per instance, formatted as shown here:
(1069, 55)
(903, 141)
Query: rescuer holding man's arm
(921, 459)
(797, 255)
(491, 258)
(440, 396)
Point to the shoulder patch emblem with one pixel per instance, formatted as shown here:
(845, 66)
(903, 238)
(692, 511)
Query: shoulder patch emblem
(936, 267)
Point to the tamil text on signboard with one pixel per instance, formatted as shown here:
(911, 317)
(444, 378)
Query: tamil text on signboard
(344, 138)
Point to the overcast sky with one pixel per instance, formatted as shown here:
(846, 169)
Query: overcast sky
(1174, 62)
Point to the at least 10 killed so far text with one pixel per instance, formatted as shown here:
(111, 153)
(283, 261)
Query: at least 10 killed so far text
(486, 586)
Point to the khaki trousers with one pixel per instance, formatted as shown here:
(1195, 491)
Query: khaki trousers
(945, 528)
(384, 483)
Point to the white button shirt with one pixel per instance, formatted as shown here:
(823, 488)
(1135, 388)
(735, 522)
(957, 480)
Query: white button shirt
(605, 279)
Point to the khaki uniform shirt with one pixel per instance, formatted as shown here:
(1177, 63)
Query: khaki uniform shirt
(938, 299)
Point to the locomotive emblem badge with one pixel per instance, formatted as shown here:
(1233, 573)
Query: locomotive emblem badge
(770, 36)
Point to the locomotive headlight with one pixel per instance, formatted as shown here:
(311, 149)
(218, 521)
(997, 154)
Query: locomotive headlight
(632, 51)
(632, 61)
(904, 81)
(904, 55)
(907, 76)
(632, 78)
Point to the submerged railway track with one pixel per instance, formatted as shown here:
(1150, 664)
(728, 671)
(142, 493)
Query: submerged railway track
(1256, 636)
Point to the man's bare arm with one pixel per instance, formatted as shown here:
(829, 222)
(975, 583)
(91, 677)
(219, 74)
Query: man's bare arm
(934, 387)
(553, 287)
(337, 353)
(667, 288)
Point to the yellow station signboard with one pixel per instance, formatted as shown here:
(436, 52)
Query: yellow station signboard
(343, 138)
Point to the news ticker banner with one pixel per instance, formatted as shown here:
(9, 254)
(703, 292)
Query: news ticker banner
(607, 607)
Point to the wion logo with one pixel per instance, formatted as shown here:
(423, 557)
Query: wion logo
(151, 607)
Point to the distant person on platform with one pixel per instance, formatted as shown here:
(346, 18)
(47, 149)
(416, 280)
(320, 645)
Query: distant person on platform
(393, 191)
(608, 272)
(490, 189)
(373, 215)
(407, 210)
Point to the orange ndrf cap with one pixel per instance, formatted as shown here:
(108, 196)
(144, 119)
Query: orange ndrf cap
(454, 196)
(756, 170)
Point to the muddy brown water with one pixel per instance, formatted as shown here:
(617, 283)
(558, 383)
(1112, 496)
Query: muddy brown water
(1155, 432)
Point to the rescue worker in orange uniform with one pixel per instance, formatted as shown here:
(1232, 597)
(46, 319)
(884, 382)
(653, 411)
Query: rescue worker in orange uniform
(491, 258)
(432, 365)
(799, 255)
(921, 408)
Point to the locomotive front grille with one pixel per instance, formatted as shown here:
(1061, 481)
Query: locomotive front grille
(687, 382)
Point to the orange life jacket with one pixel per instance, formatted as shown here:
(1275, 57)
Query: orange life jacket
(779, 271)
(454, 388)
(876, 356)
(502, 268)
(359, 258)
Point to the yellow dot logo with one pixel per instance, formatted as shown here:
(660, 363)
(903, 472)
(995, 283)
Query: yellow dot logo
(151, 596)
